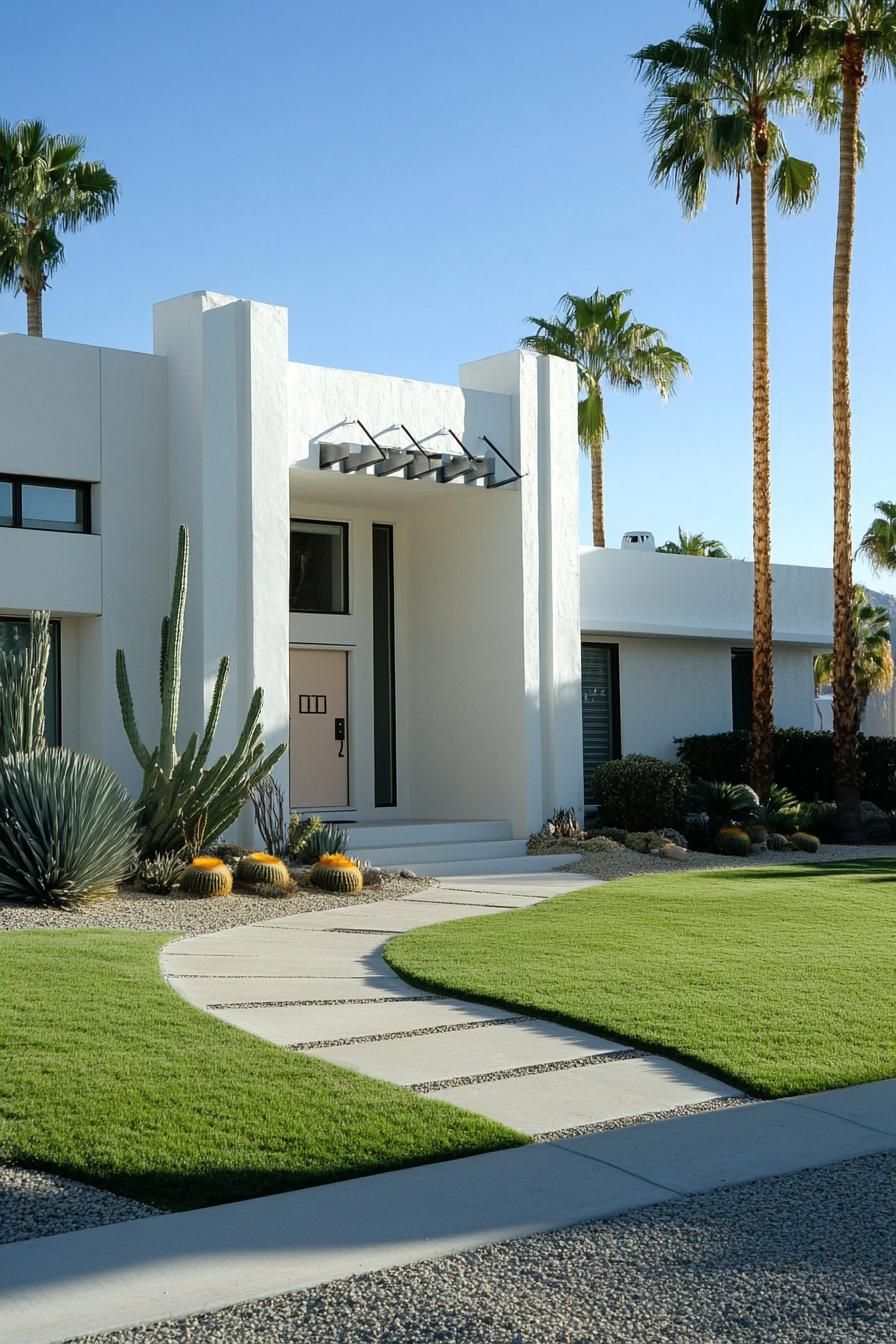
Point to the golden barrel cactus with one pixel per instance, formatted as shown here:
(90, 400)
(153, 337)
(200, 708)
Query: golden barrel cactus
(337, 872)
(263, 869)
(206, 876)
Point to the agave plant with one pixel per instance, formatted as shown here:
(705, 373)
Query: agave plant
(326, 839)
(67, 828)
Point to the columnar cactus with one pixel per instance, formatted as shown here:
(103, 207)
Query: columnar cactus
(206, 876)
(23, 684)
(178, 789)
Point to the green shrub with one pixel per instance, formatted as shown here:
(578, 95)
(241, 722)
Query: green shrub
(616, 833)
(67, 828)
(781, 809)
(643, 842)
(803, 762)
(818, 819)
(640, 793)
(600, 844)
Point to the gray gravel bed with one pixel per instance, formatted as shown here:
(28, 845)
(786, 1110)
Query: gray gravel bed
(616, 863)
(191, 915)
(557, 1066)
(624, 1121)
(36, 1204)
(803, 1259)
(403, 1035)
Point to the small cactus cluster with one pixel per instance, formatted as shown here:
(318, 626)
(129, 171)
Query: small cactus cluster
(733, 840)
(337, 872)
(809, 844)
(777, 841)
(206, 876)
(158, 874)
(263, 869)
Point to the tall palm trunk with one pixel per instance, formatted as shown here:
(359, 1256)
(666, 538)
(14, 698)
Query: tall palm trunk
(843, 683)
(597, 495)
(35, 303)
(763, 673)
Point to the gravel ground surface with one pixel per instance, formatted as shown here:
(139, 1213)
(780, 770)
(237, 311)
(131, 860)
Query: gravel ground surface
(626, 863)
(189, 914)
(805, 1259)
(35, 1204)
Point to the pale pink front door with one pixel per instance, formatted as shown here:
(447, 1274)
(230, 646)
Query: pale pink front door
(318, 729)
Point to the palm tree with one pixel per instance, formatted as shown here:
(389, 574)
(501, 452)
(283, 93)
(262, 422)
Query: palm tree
(694, 543)
(714, 94)
(874, 654)
(600, 335)
(853, 38)
(46, 189)
(878, 545)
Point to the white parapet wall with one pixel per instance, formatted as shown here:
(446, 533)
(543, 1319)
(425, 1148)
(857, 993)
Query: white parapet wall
(677, 619)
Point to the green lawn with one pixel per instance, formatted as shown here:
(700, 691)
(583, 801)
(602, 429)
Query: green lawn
(108, 1076)
(779, 980)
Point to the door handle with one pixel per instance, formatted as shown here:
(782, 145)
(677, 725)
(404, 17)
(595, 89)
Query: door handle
(339, 725)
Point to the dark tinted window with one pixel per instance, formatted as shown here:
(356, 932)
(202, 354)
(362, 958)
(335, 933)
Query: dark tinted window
(5, 504)
(741, 690)
(318, 567)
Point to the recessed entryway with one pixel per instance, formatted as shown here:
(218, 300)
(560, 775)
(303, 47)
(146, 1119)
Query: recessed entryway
(318, 729)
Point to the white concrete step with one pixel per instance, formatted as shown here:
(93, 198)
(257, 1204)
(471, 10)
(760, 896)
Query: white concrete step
(388, 834)
(506, 867)
(413, 855)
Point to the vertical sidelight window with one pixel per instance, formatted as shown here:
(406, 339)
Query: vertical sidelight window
(741, 690)
(385, 787)
(600, 709)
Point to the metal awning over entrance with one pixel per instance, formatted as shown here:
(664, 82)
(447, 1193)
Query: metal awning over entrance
(416, 463)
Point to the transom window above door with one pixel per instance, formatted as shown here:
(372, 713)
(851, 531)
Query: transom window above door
(318, 567)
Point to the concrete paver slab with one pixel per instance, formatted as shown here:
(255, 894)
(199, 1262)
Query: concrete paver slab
(543, 1103)
(871, 1104)
(541, 885)
(301, 1025)
(265, 965)
(269, 940)
(203, 990)
(390, 916)
(464, 1054)
(495, 900)
(717, 1148)
(152, 1268)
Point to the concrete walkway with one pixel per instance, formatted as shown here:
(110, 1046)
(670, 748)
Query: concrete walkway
(323, 973)
(318, 983)
(57, 1288)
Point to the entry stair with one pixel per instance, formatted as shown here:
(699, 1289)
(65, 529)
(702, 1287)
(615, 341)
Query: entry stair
(447, 848)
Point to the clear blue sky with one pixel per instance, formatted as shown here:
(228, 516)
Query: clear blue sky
(411, 180)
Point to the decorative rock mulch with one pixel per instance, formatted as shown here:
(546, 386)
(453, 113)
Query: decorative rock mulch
(617, 863)
(139, 910)
(36, 1204)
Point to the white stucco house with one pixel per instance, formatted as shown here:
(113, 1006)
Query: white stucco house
(395, 562)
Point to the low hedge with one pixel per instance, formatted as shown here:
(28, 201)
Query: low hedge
(803, 762)
(641, 793)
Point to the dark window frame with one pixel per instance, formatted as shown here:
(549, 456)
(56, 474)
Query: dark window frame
(82, 489)
(615, 702)
(385, 797)
(54, 669)
(295, 525)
